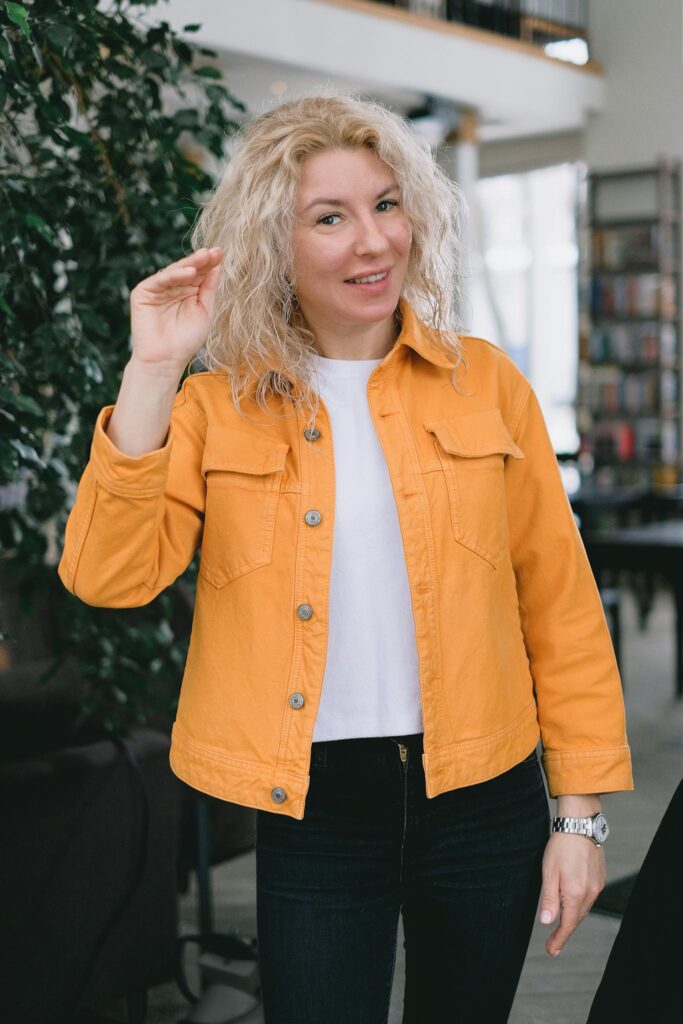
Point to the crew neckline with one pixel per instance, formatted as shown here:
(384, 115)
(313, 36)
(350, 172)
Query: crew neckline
(338, 369)
(344, 362)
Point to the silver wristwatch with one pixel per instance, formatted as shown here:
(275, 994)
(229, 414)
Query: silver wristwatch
(596, 828)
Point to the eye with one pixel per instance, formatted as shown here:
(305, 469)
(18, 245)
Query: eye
(382, 202)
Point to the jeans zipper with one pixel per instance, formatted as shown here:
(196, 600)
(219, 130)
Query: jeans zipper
(403, 751)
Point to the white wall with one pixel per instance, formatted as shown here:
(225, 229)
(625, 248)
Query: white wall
(639, 43)
(641, 47)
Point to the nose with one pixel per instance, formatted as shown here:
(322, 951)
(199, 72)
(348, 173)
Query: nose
(370, 237)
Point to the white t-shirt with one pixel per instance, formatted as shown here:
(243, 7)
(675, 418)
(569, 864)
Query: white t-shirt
(371, 684)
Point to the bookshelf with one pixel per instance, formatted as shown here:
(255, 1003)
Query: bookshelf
(629, 386)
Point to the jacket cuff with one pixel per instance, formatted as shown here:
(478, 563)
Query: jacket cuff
(588, 771)
(138, 476)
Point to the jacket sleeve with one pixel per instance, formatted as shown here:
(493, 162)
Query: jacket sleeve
(137, 520)
(577, 685)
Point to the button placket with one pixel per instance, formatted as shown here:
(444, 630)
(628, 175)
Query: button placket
(304, 612)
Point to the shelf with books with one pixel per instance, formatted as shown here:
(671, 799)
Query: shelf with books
(629, 397)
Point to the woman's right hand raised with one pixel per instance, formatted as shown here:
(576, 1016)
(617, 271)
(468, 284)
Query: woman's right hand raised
(172, 310)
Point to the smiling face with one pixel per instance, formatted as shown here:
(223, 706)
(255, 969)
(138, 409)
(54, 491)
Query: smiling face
(364, 231)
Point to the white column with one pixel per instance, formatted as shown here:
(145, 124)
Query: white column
(459, 158)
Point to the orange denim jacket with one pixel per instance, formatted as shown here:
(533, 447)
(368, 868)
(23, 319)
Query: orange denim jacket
(512, 639)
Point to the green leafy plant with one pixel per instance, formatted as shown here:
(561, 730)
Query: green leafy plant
(106, 125)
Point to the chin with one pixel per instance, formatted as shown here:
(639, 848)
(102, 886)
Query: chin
(370, 308)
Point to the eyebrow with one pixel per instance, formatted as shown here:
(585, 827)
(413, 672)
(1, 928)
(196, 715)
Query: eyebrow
(340, 202)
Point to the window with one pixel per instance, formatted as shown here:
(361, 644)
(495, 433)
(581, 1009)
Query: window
(523, 289)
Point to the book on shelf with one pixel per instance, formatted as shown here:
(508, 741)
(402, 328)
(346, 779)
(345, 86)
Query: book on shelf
(624, 295)
(612, 391)
(629, 412)
(645, 343)
(626, 440)
(613, 248)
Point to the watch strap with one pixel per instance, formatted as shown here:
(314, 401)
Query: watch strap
(578, 826)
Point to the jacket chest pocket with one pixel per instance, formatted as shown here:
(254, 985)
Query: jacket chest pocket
(471, 452)
(243, 474)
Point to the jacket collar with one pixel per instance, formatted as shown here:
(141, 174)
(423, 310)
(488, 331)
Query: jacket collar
(414, 334)
(418, 335)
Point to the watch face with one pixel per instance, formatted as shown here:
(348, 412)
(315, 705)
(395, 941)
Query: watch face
(600, 827)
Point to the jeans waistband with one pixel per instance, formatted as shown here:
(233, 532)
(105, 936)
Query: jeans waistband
(365, 750)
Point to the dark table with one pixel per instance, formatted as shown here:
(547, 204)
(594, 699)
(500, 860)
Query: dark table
(598, 507)
(653, 547)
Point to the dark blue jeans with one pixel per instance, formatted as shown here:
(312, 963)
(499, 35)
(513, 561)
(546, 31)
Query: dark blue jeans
(464, 869)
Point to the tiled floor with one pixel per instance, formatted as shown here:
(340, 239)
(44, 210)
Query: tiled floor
(551, 991)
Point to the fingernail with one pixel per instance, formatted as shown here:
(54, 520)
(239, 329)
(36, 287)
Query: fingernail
(546, 917)
(557, 952)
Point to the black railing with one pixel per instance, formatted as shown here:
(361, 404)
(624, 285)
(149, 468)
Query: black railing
(535, 21)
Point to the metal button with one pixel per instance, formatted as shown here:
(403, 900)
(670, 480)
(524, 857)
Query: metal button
(304, 611)
(311, 434)
(278, 794)
(297, 700)
(313, 517)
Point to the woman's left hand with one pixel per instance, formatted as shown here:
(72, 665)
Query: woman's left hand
(573, 876)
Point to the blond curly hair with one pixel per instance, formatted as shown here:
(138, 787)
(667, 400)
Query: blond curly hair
(258, 336)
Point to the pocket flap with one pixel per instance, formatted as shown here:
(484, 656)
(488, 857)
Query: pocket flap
(475, 434)
(242, 452)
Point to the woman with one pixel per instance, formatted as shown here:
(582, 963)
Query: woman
(370, 520)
